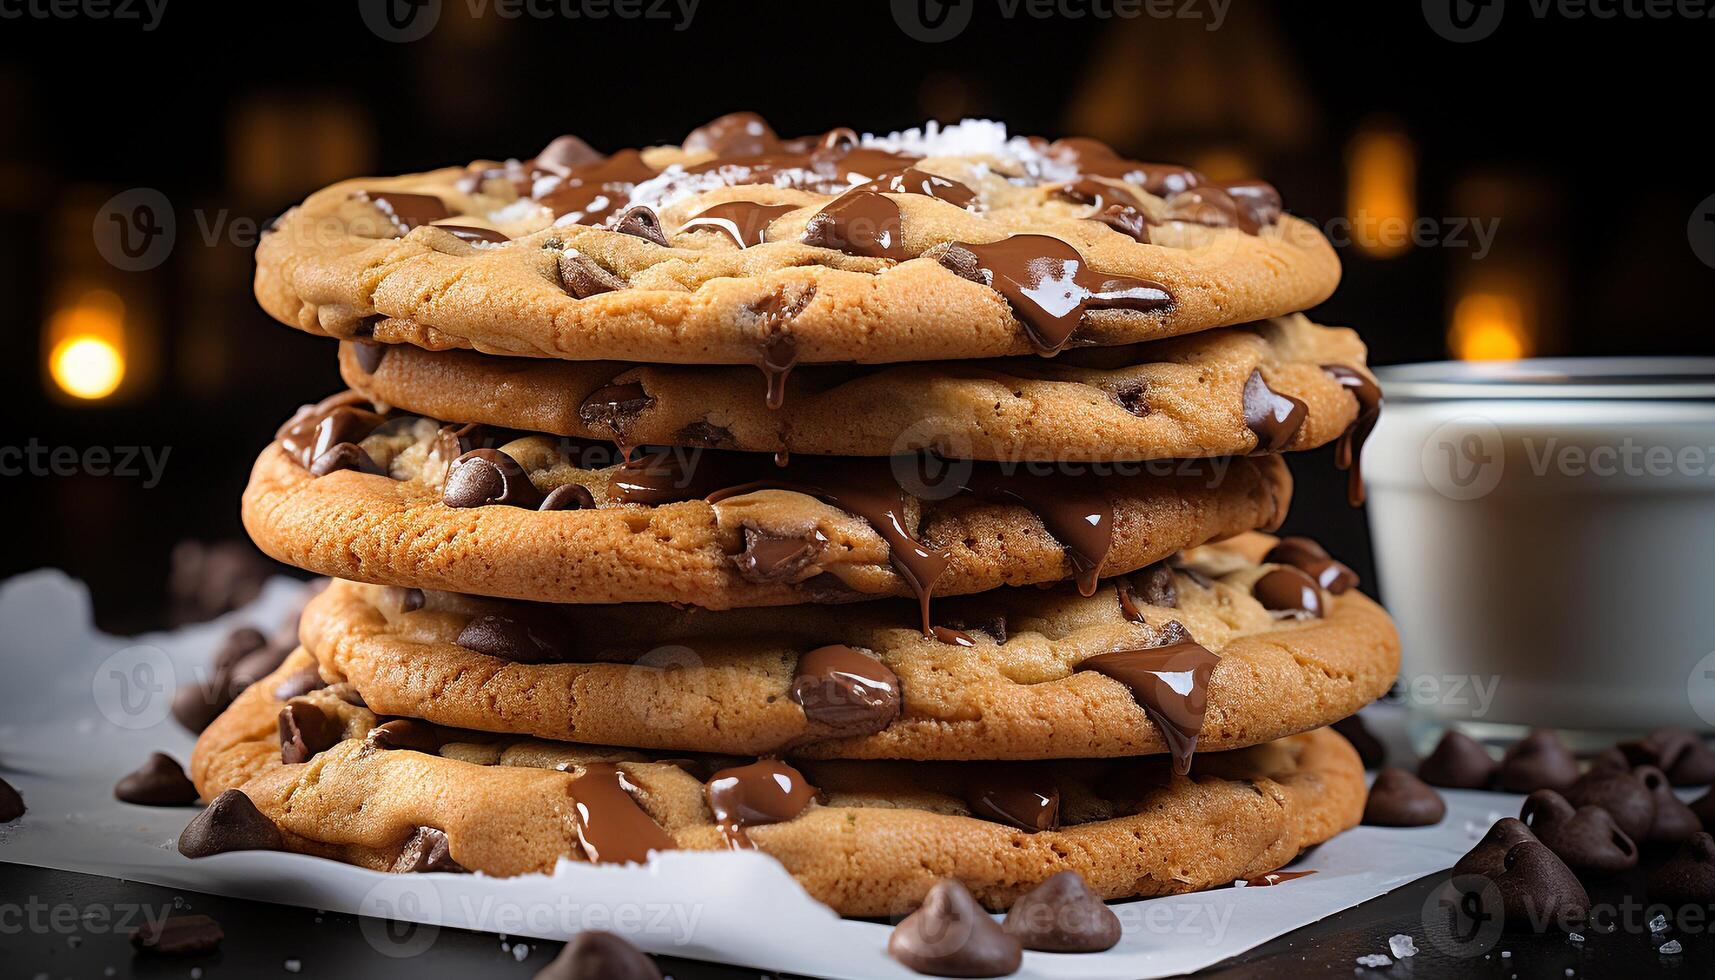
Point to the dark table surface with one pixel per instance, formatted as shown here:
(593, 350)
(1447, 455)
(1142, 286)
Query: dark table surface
(57, 924)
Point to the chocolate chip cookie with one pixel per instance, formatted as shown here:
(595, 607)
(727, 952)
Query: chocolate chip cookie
(1009, 674)
(866, 838)
(932, 244)
(1189, 397)
(404, 500)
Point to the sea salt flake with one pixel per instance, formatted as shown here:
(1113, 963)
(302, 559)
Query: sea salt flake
(1658, 924)
(1401, 946)
(1374, 959)
(293, 966)
(1671, 947)
(1574, 937)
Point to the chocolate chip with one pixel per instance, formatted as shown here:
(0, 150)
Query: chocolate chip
(306, 730)
(11, 803)
(1458, 762)
(1126, 220)
(1619, 792)
(404, 733)
(398, 599)
(1687, 878)
(231, 823)
(1610, 758)
(1305, 554)
(254, 666)
(239, 642)
(488, 476)
(1587, 838)
(615, 406)
(1371, 751)
(1133, 396)
(568, 497)
(368, 355)
(1488, 858)
(1288, 590)
(345, 456)
(951, 936)
(1020, 796)
(180, 935)
(1399, 799)
(845, 692)
(1062, 915)
(1674, 822)
(564, 154)
(1537, 889)
(196, 705)
(1538, 761)
(427, 851)
(641, 222)
(158, 782)
(1273, 417)
(300, 683)
(704, 433)
(777, 558)
(597, 955)
(1704, 807)
(525, 635)
(1680, 753)
(582, 277)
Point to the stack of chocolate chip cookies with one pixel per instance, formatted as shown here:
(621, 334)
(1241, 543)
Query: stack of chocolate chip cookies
(889, 505)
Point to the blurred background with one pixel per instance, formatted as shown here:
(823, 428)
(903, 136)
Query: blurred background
(1529, 190)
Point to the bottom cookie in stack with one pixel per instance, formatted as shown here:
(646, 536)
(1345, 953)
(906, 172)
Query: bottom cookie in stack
(867, 838)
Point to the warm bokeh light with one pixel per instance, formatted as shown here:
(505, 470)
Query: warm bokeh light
(1381, 190)
(1489, 327)
(86, 345)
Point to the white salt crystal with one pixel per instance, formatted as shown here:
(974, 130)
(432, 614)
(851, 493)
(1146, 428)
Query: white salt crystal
(1401, 946)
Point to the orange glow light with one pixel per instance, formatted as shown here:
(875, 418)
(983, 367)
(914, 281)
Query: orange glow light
(86, 353)
(1489, 327)
(1381, 192)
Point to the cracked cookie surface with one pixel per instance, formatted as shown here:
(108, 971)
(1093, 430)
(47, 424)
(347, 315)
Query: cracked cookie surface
(352, 494)
(869, 840)
(924, 245)
(1171, 399)
(1007, 686)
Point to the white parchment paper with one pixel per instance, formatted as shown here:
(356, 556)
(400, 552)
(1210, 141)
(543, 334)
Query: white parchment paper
(79, 709)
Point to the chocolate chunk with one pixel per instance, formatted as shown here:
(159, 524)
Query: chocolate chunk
(844, 692)
(641, 222)
(1399, 799)
(1587, 838)
(1619, 792)
(232, 649)
(474, 234)
(209, 579)
(564, 154)
(368, 355)
(231, 823)
(11, 803)
(1488, 858)
(196, 705)
(1679, 752)
(704, 433)
(859, 223)
(582, 277)
(613, 828)
(1126, 220)
(299, 684)
(910, 180)
(1687, 878)
(764, 792)
(614, 406)
(488, 476)
(345, 456)
(525, 635)
(597, 955)
(306, 730)
(1062, 915)
(736, 134)
(744, 222)
(951, 936)
(1133, 396)
(254, 666)
(568, 497)
(1021, 796)
(405, 211)
(1371, 751)
(427, 851)
(1309, 557)
(1288, 590)
(404, 733)
(158, 782)
(179, 935)
(1273, 417)
(1538, 889)
(1704, 807)
(1170, 682)
(1458, 762)
(776, 558)
(1538, 761)
(1674, 822)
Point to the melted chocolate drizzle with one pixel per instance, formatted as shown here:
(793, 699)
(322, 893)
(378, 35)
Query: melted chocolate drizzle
(1171, 684)
(766, 791)
(858, 223)
(910, 180)
(1274, 418)
(1048, 286)
(611, 826)
(592, 192)
(1349, 451)
(745, 222)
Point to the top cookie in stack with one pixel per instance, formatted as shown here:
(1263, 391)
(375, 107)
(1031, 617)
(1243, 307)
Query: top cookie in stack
(985, 362)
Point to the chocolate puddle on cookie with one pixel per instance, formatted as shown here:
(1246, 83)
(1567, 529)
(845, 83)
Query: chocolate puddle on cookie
(1170, 683)
(612, 827)
(764, 792)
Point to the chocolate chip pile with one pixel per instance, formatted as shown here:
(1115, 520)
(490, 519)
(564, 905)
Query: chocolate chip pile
(970, 245)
